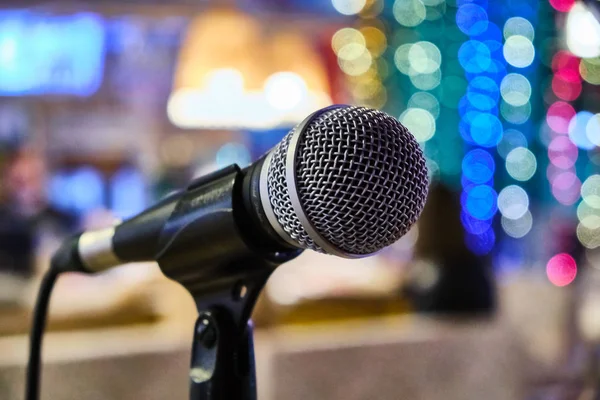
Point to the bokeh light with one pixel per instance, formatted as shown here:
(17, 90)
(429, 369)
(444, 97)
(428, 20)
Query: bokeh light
(513, 202)
(519, 51)
(562, 5)
(580, 132)
(481, 202)
(485, 129)
(375, 39)
(426, 101)
(592, 130)
(348, 7)
(589, 68)
(565, 87)
(481, 244)
(582, 32)
(562, 152)
(561, 269)
(424, 57)
(521, 164)
(483, 93)
(472, 19)
(409, 12)
(590, 191)
(518, 26)
(419, 122)
(426, 81)
(516, 115)
(566, 187)
(401, 58)
(473, 225)
(559, 116)
(519, 227)
(346, 36)
(588, 216)
(478, 166)
(588, 237)
(511, 139)
(515, 89)
(474, 56)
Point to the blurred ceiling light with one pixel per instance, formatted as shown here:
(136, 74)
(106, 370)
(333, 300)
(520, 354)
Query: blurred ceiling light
(285, 90)
(242, 80)
(583, 32)
(348, 7)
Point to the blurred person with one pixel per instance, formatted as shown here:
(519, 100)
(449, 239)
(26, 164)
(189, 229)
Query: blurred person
(25, 215)
(25, 183)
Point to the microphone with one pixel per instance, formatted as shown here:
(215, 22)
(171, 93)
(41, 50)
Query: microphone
(347, 181)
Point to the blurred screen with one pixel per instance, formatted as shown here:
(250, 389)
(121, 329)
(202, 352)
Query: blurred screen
(45, 54)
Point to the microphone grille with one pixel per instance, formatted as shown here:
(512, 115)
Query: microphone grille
(360, 178)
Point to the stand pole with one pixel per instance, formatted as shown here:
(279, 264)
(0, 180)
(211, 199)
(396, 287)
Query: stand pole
(222, 364)
(224, 280)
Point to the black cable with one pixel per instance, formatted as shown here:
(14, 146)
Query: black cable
(32, 383)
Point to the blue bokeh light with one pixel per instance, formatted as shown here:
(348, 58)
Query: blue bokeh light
(482, 243)
(472, 19)
(578, 132)
(473, 225)
(474, 56)
(491, 33)
(483, 93)
(486, 130)
(481, 202)
(478, 166)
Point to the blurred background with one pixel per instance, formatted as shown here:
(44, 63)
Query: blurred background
(106, 106)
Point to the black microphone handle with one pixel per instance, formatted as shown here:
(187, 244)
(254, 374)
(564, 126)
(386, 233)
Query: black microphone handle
(144, 236)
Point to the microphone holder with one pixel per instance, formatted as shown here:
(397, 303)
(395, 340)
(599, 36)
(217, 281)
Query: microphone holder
(205, 249)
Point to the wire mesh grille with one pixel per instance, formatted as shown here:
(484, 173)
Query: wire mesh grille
(361, 179)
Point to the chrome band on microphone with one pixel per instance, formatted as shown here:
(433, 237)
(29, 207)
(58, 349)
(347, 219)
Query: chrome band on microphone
(96, 250)
(290, 171)
(266, 203)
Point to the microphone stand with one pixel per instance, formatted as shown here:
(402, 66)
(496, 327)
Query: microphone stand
(225, 274)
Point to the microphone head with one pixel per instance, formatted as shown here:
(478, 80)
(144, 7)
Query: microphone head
(347, 181)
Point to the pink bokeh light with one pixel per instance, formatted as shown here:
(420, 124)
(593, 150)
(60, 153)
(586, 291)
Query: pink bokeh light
(566, 187)
(562, 5)
(562, 152)
(561, 269)
(565, 87)
(559, 115)
(566, 64)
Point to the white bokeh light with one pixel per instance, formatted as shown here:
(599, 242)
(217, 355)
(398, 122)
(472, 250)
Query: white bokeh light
(519, 51)
(513, 202)
(419, 122)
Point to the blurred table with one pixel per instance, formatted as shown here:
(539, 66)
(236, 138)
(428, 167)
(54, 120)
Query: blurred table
(385, 358)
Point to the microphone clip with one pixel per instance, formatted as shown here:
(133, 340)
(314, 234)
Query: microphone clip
(207, 247)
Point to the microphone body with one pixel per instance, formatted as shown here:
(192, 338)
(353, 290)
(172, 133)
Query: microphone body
(347, 181)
